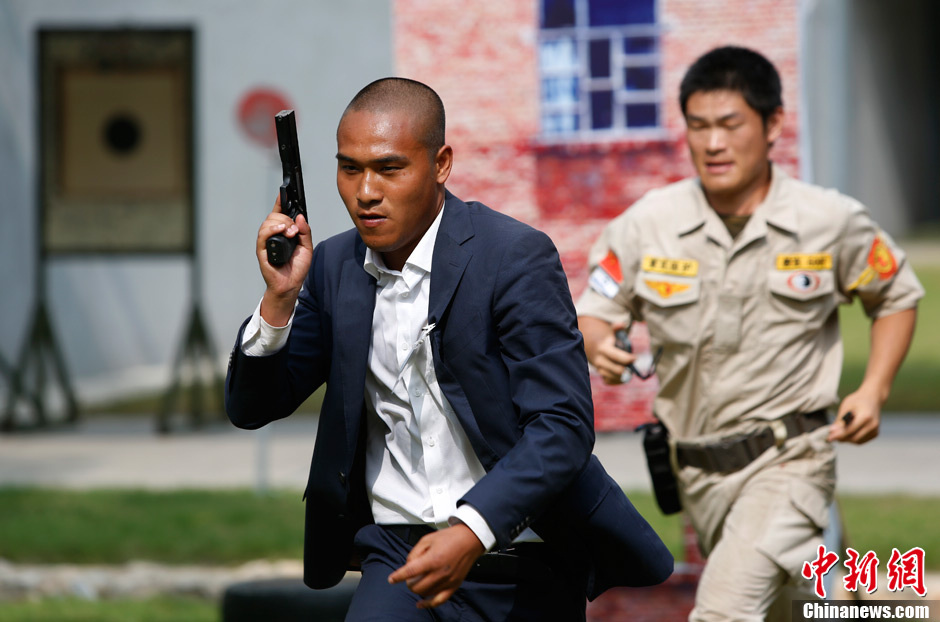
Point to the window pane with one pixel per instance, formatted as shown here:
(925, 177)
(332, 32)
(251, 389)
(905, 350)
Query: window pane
(600, 58)
(558, 55)
(620, 12)
(560, 90)
(557, 13)
(559, 123)
(639, 78)
(641, 115)
(602, 109)
(639, 45)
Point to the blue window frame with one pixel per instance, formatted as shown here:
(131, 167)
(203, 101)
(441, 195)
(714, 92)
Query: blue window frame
(599, 62)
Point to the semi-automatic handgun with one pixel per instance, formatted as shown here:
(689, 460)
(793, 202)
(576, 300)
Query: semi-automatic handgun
(293, 202)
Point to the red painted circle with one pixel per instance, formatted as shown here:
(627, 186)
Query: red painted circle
(256, 112)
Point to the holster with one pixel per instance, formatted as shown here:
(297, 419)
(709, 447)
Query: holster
(659, 461)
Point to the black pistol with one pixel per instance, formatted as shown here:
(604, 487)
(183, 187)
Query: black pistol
(622, 341)
(293, 201)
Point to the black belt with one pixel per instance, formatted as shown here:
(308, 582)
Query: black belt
(735, 453)
(524, 561)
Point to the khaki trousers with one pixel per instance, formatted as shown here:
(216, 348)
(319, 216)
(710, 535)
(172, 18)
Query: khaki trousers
(757, 526)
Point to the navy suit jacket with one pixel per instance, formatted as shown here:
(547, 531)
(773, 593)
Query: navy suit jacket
(510, 360)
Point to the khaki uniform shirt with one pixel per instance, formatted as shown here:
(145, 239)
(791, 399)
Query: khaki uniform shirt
(748, 326)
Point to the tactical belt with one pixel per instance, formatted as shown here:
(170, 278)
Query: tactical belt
(524, 561)
(736, 452)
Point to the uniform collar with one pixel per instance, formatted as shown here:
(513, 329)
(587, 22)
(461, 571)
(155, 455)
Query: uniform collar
(778, 209)
(775, 210)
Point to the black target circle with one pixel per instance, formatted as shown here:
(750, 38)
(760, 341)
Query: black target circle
(122, 133)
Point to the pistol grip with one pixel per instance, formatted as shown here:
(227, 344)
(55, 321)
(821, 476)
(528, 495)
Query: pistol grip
(280, 248)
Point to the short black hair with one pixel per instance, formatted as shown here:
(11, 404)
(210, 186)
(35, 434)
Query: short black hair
(388, 94)
(737, 69)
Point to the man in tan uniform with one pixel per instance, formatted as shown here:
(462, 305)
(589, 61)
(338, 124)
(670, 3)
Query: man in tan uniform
(738, 275)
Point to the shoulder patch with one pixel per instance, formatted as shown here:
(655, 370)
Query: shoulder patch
(881, 264)
(881, 259)
(611, 265)
(605, 279)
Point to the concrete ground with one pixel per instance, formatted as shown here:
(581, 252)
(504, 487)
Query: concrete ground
(117, 451)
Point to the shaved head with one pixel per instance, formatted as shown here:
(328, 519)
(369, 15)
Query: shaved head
(404, 95)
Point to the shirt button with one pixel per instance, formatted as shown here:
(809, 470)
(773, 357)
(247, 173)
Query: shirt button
(431, 441)
(417, 392)
(404, 346)
(439, 491)
(404, 294)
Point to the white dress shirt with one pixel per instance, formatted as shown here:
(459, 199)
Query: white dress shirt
(419, 461)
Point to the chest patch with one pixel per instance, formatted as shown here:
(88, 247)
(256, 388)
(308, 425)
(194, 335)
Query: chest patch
(803, 281)
(666, 288)
(804, 261)
(666, 265)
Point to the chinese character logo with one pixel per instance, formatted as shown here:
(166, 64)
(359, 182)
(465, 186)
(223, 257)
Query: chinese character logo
(904, 570)
(817, 569)
(862, 570)
(907, 570)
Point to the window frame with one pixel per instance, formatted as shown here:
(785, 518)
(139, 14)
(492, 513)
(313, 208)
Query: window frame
(582, 34)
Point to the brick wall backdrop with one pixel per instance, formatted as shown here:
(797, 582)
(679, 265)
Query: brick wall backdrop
(481, 58)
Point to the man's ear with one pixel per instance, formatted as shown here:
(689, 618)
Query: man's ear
(443, 162)
(773, 127)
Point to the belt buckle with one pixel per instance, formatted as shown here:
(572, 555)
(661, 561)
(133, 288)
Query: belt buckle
(779, 428)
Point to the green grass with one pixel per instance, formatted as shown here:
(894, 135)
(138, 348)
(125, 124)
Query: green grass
(76, 610)
(232, 527)
(915, 388)
(892, 521)
(112, 527)
(870, 523)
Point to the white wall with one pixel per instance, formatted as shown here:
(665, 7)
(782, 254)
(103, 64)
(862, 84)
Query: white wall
(120, 320)
(870, 93)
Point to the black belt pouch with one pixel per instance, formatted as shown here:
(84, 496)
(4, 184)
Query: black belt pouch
(665, 486)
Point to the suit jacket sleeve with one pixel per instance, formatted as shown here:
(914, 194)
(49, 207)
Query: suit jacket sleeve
(259, 390)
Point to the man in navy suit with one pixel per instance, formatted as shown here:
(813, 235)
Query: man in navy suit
(453, 460)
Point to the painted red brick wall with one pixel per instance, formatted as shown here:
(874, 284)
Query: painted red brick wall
(481, 58)
(482, 63)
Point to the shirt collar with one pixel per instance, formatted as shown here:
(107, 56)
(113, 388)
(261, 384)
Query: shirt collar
(778, 208)
(421, 257)
(775, 209)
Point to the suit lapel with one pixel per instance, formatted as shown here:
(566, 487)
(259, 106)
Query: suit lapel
(355, 303)
(450, 258)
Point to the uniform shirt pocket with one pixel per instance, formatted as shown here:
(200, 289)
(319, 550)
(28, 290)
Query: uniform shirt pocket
(671, 311)
(800, 301)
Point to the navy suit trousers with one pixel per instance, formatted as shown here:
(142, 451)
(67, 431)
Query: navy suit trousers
(383, 552)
